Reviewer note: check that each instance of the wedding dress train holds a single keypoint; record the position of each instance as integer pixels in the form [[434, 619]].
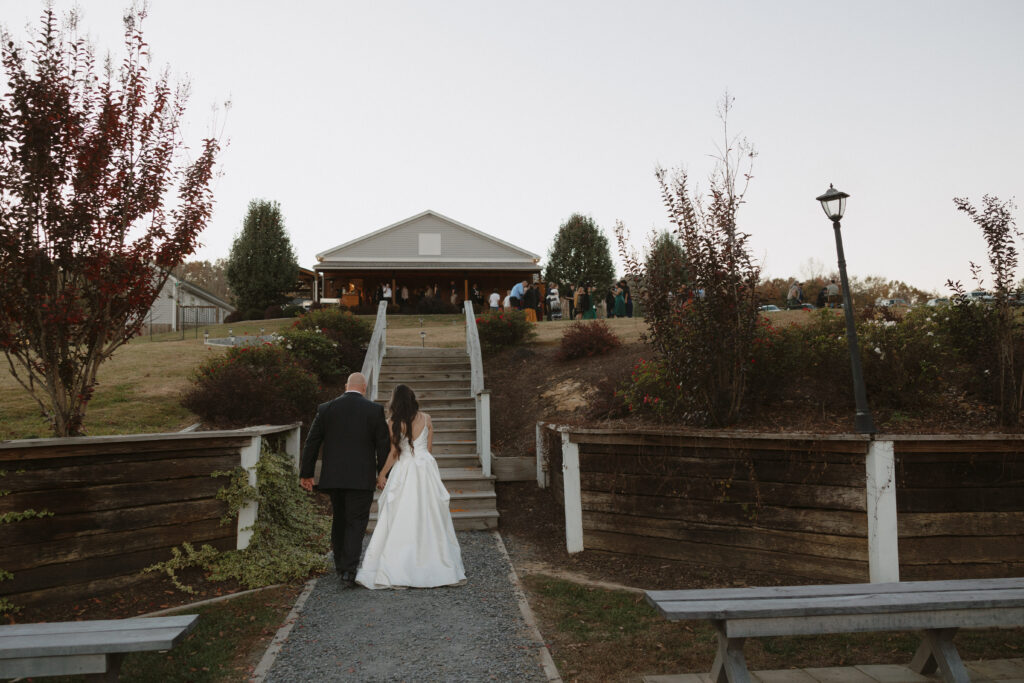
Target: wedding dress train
[[413, 543]]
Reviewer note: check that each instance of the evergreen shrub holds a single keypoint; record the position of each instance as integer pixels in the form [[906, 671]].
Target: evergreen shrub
[[352, 334], [317, 352]]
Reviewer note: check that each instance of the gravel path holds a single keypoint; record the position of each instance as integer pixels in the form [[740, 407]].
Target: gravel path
[[473, 632]]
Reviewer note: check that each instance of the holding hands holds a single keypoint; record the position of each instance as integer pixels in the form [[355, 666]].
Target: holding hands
[[381, 480]]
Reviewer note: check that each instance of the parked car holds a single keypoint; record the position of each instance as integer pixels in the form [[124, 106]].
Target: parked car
[[770, 308], [807, 306], [980, 296], [941, 301], [892, 303]]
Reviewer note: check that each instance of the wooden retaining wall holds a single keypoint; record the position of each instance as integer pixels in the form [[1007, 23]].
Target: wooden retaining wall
[[119, 504], [796, 504]]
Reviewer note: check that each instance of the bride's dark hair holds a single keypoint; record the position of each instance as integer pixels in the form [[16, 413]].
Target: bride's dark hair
[[403, 409]]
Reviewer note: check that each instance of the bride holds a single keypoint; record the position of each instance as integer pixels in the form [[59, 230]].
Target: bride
[[413, 543]]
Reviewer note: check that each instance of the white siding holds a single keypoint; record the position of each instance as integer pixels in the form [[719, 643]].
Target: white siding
[[162, 311], [402, 243]]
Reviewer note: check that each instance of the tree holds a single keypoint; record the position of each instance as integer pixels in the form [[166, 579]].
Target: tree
[[703, 324], [666, 261], [262, 267], [210, 275], [88, 231], [580, 255]]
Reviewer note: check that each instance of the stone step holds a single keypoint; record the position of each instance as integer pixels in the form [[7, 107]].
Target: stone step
[[463, 501], [415, 375], [462, 521], [420, 352], [454, 447], [422, 385]]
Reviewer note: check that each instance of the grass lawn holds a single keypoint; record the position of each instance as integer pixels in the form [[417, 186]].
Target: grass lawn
[[227, 642], [605, 635]]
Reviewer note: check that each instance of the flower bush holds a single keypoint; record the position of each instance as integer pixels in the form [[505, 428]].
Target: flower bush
[[317, 352], [652, 393], [583, 339], [509, 328], [252, 385]]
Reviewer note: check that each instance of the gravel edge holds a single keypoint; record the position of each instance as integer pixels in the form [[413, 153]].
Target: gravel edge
[[550, 670], [267, 661]]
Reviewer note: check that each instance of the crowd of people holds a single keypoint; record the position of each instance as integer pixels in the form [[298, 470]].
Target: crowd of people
[[546, 301]]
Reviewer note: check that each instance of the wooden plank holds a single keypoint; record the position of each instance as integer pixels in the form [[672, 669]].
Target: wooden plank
[[966, 549], [27, 557], [697, 553], [98, 473], [813, 496], [838, 522], [959, 500], [722, 438], [113, 496], [726, 451], [77, 461], [84, 571], [839, 606], [917, 524], [832, 590], [55, 629], [106, 521], [93, 637], [818, 545], [514, 468], [944, 570], [976, 472], [794, 470], [15, 452], [859, 623]]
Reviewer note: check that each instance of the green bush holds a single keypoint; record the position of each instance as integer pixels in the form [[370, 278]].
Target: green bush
[[252, 385], [317, 352], [351, 333], [498, 330], [652, 392]]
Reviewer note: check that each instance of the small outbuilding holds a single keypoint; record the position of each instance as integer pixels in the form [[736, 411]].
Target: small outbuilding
[[183, 305], [427, 255]]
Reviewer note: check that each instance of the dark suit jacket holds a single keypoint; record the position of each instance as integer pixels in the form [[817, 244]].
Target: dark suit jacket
[[354, 434]]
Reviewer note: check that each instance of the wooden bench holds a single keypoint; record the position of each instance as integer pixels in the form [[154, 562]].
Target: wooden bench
[[937, 608], [85, 647]]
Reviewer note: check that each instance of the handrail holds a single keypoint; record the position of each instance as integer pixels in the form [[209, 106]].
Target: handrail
[[376, 350], [481, 396]]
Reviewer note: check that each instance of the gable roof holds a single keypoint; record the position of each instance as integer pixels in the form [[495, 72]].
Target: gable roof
[[363, 248]]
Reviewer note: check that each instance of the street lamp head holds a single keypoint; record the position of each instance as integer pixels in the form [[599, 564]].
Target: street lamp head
[[834, 203]]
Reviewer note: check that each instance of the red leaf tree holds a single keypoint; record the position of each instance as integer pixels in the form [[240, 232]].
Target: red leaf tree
[[96, 207]]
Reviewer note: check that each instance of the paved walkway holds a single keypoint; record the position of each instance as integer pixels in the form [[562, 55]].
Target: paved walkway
[[474, 632], [1002, 670]]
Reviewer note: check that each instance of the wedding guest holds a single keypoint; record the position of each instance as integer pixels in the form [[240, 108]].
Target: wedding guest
[[587, 304], [518, 292], [620, 300], [577, 312], [507, 303], [495, 301]]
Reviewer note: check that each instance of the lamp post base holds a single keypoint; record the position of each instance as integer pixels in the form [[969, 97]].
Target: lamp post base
[[863, 423]]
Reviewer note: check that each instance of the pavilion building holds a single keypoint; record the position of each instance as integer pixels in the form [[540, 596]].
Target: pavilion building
[[429, 254]]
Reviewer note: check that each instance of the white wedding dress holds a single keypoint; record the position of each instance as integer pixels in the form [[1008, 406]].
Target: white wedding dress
[[413, 543]]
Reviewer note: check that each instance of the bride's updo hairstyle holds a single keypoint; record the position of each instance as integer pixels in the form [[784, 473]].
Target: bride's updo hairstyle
[[403, 409]]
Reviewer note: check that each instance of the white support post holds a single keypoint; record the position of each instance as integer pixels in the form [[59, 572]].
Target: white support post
[[293, 447], [542, 457], [883, 538], [250, 456], [483, 430], [573, 497]]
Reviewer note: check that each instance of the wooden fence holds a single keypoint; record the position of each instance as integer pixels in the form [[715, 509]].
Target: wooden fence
[[118, 504], [801, 505]]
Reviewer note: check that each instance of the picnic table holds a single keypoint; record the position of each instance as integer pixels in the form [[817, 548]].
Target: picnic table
[[85, 647], [936, 608]]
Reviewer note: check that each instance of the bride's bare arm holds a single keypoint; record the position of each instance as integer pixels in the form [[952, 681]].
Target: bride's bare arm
[[388, 464]]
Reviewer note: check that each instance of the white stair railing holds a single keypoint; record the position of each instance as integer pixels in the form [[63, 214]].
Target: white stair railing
[[481, 396], [375, 351]]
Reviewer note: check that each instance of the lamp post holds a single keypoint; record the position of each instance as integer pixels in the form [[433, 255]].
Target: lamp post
[[834, 203]]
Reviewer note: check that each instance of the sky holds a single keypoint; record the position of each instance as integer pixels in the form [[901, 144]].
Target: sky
[[511, 116]]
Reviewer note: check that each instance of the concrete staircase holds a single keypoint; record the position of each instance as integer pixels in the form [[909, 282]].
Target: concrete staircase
[[441, 380]]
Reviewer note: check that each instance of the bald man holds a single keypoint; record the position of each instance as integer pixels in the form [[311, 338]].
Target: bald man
[[354, 435]]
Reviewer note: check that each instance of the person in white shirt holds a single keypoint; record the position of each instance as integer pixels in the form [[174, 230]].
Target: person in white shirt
[[507, 303], [494, 300], [387, 293]]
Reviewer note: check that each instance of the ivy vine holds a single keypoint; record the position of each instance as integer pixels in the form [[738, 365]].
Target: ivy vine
[[290, 536], [6, 606]]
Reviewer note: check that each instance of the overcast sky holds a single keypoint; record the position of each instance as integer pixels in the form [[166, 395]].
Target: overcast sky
[[510, 116]]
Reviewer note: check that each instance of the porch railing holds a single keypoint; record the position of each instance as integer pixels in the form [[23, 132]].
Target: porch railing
[[481, 396], [376, 351]]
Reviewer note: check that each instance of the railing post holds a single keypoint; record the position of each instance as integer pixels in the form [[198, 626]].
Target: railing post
[[573, 497], [483, 429], [250, 457], [293, 446], [542, 457], [883, 536]]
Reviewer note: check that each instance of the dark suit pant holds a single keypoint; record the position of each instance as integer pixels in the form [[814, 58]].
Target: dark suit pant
[[351, 508]]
